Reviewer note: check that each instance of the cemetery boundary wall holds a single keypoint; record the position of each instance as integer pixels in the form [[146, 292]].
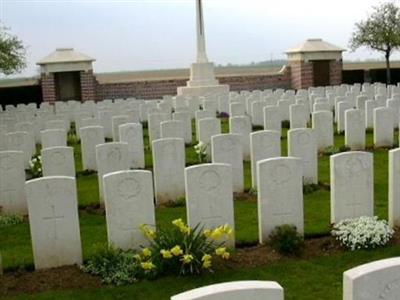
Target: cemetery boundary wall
[[152, 89]]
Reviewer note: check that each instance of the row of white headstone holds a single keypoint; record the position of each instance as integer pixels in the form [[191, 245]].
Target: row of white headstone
[[371, 281], [169, 154], [129, 199], [270, 109]]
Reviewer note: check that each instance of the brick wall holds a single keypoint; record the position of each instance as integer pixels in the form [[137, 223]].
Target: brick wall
[[139, 89], [258, 82], [158, 88], [48, 88], [335, 68], [88, 86]]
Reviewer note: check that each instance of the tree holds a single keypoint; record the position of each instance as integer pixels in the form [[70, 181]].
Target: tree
[[12, 52], [380, 32]]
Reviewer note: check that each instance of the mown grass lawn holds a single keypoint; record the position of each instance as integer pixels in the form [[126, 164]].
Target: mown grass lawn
[[318, 278]]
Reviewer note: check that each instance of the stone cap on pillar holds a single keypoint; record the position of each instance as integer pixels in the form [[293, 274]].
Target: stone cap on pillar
[[315, 49], [65, 60]]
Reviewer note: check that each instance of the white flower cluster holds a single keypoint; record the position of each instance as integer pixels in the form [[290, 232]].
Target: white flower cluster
[[362, 233], [35, 160], [35, 165], [201, 148]]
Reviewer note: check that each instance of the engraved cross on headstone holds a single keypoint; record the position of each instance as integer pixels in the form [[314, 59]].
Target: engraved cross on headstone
[[54, 218]]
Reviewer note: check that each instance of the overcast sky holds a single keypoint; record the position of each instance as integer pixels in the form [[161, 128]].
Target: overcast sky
[[160, 34]]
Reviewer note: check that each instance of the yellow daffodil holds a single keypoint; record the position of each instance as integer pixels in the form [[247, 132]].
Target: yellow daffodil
[[166, 254], [148, 265], [185, 230], [148, 232], [217, 233], [228, 230], [178, 223], [226, 255], [146, 252], [220, 251], [207, 233], [137, 257], [206, 264], [181, 225], [176, 251], [187, 258], [206, 257]]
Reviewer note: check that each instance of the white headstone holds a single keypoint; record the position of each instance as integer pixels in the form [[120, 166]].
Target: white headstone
[[298, 116], [272, 119], [302, 143], [20, 141], [132, 134], [29, 128], [110, 157], [53, 138], [361, 102], [90, 138], [134, 115], [242, 126], [12, 181], [354, 129], [105, 119], [186, 118], [264, 144], [383, 127], [394, 104], [372, 281], [394, 187], [237, 109], [57, 124], [321, 106], [169, 166], [340, 114], [199, 115], [283, 106], [223, 104], [280, 194], [154, 121], [209, 196], [58, 161], [257, 109], [352, 185], [90, 122], [172, 129], [322, 124], [227, 149], [128, 197], [54, 223], [116, 121], [370, 105], [236, 290], [211, 105], [207, 128]]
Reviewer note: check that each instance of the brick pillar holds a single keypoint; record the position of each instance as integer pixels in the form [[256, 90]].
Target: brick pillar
[[295, 75], [48, 88], [88, 86], [301, 74], [335, 72]]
